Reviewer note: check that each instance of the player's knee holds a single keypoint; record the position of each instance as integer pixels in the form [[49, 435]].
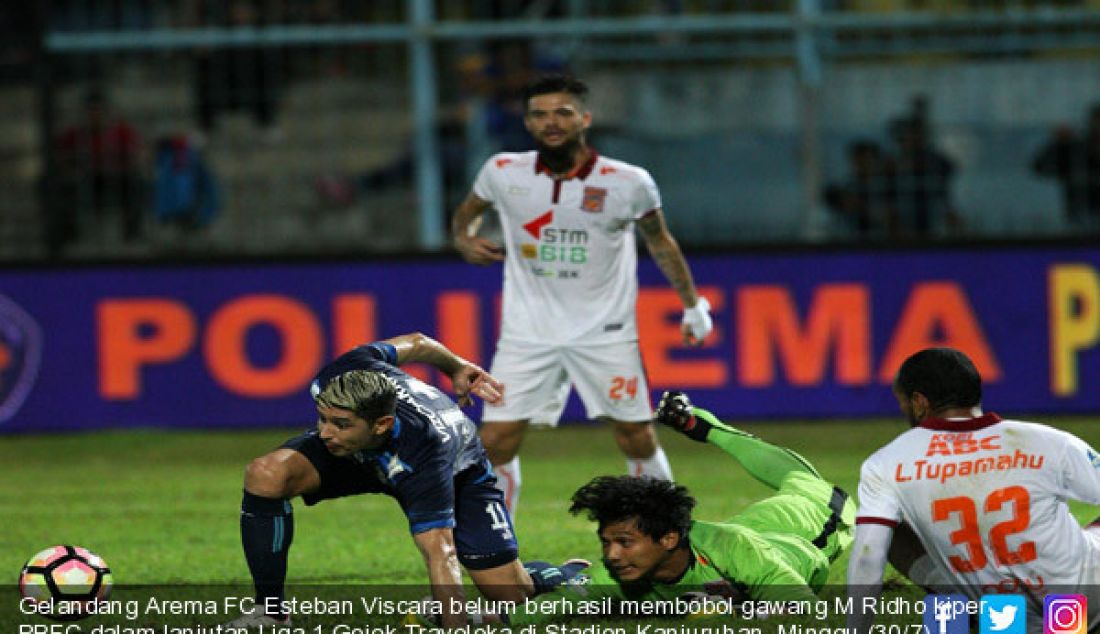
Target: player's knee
[[637, 440], [268, 477], [501, 441]]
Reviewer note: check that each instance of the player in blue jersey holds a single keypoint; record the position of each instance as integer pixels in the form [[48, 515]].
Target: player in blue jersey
[[380, 430]]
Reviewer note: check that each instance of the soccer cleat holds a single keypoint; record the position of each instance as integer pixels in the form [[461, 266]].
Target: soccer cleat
[[675, 411], [417, 619], [258, 621], [573, 567], [546, 576]]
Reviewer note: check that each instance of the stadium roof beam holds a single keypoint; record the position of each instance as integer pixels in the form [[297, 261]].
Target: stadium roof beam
[[747, 23]]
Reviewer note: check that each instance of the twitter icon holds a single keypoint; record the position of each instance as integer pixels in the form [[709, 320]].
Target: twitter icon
[[1003, 614]]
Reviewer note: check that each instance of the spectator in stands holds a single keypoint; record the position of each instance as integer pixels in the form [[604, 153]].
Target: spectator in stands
[[185, 190], [237, 77], [1075, 162], [99, 166], [923, 178], [500, 81], [864, 202], [493, 85]]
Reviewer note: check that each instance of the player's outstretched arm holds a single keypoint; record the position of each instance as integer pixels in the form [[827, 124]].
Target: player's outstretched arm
[[869, 551], [696, 324], [444, 574], [474, 249], [468, 379]]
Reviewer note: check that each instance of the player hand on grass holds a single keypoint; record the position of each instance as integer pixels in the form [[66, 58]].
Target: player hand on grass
[[696, 323], [478, 250], [675, 411], [471, 380]]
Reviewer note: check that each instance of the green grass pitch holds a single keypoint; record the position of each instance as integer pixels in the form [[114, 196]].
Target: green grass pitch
[[161, 507]]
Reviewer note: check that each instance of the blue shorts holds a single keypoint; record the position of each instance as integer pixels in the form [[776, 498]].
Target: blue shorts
[[483, 532]]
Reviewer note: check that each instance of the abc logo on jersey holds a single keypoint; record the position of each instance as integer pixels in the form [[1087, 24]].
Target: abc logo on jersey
[[1065, 614]]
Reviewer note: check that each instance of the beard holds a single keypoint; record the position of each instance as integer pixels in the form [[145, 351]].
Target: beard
[[560, 158]]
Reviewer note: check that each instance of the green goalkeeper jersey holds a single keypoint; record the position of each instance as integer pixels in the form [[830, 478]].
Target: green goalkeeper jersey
[[766, 552]]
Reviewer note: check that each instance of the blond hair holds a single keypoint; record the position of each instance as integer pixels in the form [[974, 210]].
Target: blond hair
[[370, 395]]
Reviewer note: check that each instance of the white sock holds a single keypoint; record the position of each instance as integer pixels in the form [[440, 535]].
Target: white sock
[[509, 481], [924, 573], [655, 466]]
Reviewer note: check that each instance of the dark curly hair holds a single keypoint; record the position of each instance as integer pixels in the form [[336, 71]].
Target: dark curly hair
[[945, 376], [546, 84], [657, 506]]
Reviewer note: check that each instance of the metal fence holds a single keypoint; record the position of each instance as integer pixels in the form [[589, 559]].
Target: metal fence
[[144, 129]]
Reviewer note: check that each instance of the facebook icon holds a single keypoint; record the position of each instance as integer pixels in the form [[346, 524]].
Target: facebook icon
[[946, 614], [1003, 614]]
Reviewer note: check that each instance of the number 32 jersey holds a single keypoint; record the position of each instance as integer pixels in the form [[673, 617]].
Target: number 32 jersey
[[987, 497]]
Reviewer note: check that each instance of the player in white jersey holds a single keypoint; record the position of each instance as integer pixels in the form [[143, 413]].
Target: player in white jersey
[[570, 282], [985, 497]]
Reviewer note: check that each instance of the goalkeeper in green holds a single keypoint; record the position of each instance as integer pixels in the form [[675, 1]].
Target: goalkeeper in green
[[777, 549]]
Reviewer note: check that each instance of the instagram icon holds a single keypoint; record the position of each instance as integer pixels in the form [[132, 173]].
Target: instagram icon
[[1065, 614]]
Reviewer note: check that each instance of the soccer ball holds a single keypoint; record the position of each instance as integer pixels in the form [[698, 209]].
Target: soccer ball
[[64, 582]]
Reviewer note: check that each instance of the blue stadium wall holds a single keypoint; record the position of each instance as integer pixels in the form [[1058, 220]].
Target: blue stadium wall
[[800, 334]]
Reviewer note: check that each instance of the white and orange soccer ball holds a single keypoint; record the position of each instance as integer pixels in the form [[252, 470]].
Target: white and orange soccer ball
[[65, 582]]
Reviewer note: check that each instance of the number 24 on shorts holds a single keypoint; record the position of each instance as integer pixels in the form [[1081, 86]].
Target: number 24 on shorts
[[623, 387]]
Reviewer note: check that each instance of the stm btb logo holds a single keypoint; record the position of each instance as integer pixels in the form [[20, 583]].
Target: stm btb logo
[[556, 244], [20, 354]]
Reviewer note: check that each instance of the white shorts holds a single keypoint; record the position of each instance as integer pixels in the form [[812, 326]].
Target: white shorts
[[609, 378]]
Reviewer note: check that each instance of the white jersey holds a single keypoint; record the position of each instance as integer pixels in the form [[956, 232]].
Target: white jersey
[[570, 274], [987, 497]]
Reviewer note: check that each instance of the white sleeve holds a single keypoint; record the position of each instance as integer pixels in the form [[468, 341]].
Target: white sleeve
[[877, 503], [1079, 471], [483, 185], [646, 197], [869, 554]]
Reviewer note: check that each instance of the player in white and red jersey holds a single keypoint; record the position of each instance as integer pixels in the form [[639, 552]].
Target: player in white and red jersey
[[985, 497], [570, 282]]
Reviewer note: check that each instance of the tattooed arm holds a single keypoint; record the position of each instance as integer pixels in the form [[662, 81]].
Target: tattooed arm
[[666, 251]]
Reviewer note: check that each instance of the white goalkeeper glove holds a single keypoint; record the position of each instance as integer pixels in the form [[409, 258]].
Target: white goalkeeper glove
[[697, 323]]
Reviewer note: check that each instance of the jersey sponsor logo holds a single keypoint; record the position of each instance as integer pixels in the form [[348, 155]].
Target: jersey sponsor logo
[[501, 162], [395, 467], [20, 356], [607, 169], [1094, 458], [535, 226], [1016, 585], [593, 199], [954, 444], [416, 385], [556, 244], [944, 471]]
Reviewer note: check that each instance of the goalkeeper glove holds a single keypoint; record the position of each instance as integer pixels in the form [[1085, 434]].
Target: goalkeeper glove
[[675, 411]]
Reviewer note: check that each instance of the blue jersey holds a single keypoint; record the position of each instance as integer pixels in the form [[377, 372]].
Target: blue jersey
[[433, 442]]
